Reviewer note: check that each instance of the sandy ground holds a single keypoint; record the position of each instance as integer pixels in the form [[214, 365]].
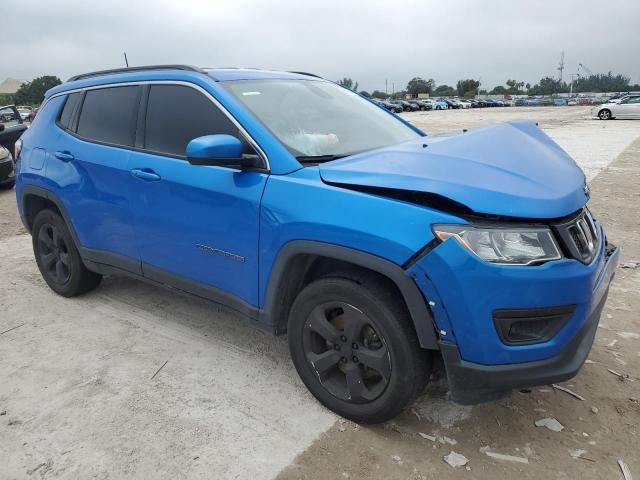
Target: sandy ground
[[81, 395]]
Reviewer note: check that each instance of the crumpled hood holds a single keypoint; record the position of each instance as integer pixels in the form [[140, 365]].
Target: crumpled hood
[[512, 169]]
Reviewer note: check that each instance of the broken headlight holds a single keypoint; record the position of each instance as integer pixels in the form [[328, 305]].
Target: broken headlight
[[512, 246]]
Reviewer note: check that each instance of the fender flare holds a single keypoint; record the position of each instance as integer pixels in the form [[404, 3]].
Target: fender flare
[[420, 314], [28, 190]]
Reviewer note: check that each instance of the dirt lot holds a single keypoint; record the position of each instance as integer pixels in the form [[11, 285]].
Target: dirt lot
[[81, 395]]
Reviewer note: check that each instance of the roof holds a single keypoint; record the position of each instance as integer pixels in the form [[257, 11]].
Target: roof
[[172, 72], [218, 74]]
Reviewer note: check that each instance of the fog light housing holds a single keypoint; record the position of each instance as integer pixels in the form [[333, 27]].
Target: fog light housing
[[529, 326]]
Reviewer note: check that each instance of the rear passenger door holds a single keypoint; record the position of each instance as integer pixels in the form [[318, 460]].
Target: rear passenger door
[[90, 165], [196, 226]]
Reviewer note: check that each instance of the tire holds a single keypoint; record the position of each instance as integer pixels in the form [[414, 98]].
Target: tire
[[354, 346], [8, 185], [605, 114], [58, 258]]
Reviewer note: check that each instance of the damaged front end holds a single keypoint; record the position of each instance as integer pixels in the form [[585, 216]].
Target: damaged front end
[[517, 287]]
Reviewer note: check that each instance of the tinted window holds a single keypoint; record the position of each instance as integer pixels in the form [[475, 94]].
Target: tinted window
[[67, 111], [177, 114], [109, 115]]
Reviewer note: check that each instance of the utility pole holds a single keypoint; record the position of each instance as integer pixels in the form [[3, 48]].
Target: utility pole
[[386, 86], [573, 79], [561, 67]]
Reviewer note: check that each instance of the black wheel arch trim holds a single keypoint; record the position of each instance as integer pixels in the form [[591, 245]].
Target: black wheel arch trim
[[415, 301], [28, 190]]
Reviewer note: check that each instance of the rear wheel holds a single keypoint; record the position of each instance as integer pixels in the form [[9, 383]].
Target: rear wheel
[[354, 346], [58, 258], [604, 114]]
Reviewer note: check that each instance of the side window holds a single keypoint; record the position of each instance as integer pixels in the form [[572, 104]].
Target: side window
[[177, 114], [634, 100], [66, 114], [109, 115]]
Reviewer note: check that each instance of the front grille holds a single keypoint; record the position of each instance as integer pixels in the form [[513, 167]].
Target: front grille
[[579, 237]]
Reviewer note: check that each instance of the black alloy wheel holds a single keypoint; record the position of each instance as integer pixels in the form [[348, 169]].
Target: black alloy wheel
[[58, 257], [54, 254], [347, 352], [354, 345]]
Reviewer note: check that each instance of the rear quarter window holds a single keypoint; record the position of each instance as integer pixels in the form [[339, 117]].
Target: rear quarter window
[[109, 115], [66, 114]]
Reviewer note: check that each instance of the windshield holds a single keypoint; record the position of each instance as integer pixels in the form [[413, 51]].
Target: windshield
[[315, 118]]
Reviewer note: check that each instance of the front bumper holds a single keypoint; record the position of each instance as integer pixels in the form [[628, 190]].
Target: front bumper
[[464, 294], [472, 383]]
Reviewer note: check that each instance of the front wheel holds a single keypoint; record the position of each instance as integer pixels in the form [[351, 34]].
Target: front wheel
[[355, 348], [604, 114]]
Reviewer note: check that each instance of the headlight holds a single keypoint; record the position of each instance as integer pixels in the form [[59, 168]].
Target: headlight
[[513, 245]]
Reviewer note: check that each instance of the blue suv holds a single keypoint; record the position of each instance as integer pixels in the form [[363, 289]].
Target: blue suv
[[317, 213]]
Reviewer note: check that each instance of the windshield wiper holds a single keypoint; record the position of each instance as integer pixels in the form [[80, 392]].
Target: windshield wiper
[[318, 158]]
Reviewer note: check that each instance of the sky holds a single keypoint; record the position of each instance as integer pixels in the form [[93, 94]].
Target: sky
[[378, 43]]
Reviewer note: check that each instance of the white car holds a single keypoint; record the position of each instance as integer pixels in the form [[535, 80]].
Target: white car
[[627, 108], [464, 104], [24, 113]]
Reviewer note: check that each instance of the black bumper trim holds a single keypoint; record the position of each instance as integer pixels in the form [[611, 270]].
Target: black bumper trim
[[472, 383]]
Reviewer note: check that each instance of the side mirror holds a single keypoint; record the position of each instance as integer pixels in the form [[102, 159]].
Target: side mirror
[[219, 150]]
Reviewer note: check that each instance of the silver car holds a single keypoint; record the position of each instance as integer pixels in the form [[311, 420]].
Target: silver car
[[627, 108]]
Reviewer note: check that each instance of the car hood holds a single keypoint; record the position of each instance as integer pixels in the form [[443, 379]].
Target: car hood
[[512, 169]]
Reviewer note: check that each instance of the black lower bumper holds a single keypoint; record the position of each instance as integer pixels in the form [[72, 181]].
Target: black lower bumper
[[472, 383]]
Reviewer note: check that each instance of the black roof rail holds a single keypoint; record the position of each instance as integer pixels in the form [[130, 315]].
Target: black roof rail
[[136, 69], [307, 73]]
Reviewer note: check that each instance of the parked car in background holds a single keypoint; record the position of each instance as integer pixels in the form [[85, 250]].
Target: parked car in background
[[333, 225], [408, 106], [451, 104], [629, 107], [440, 104], [7, 170], [428, 104], [392, 107], [560, 102], [25, 113], [519, 102], [32, 115], [11, 126], [417, 104]]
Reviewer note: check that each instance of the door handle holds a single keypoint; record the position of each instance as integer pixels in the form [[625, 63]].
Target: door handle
[[64, 156], [146, 174]]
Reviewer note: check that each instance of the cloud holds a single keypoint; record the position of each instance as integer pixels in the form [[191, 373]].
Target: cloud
[[370, 41]]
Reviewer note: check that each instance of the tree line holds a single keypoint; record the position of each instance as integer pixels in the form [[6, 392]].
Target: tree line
[[31, 93], [469, 88]]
